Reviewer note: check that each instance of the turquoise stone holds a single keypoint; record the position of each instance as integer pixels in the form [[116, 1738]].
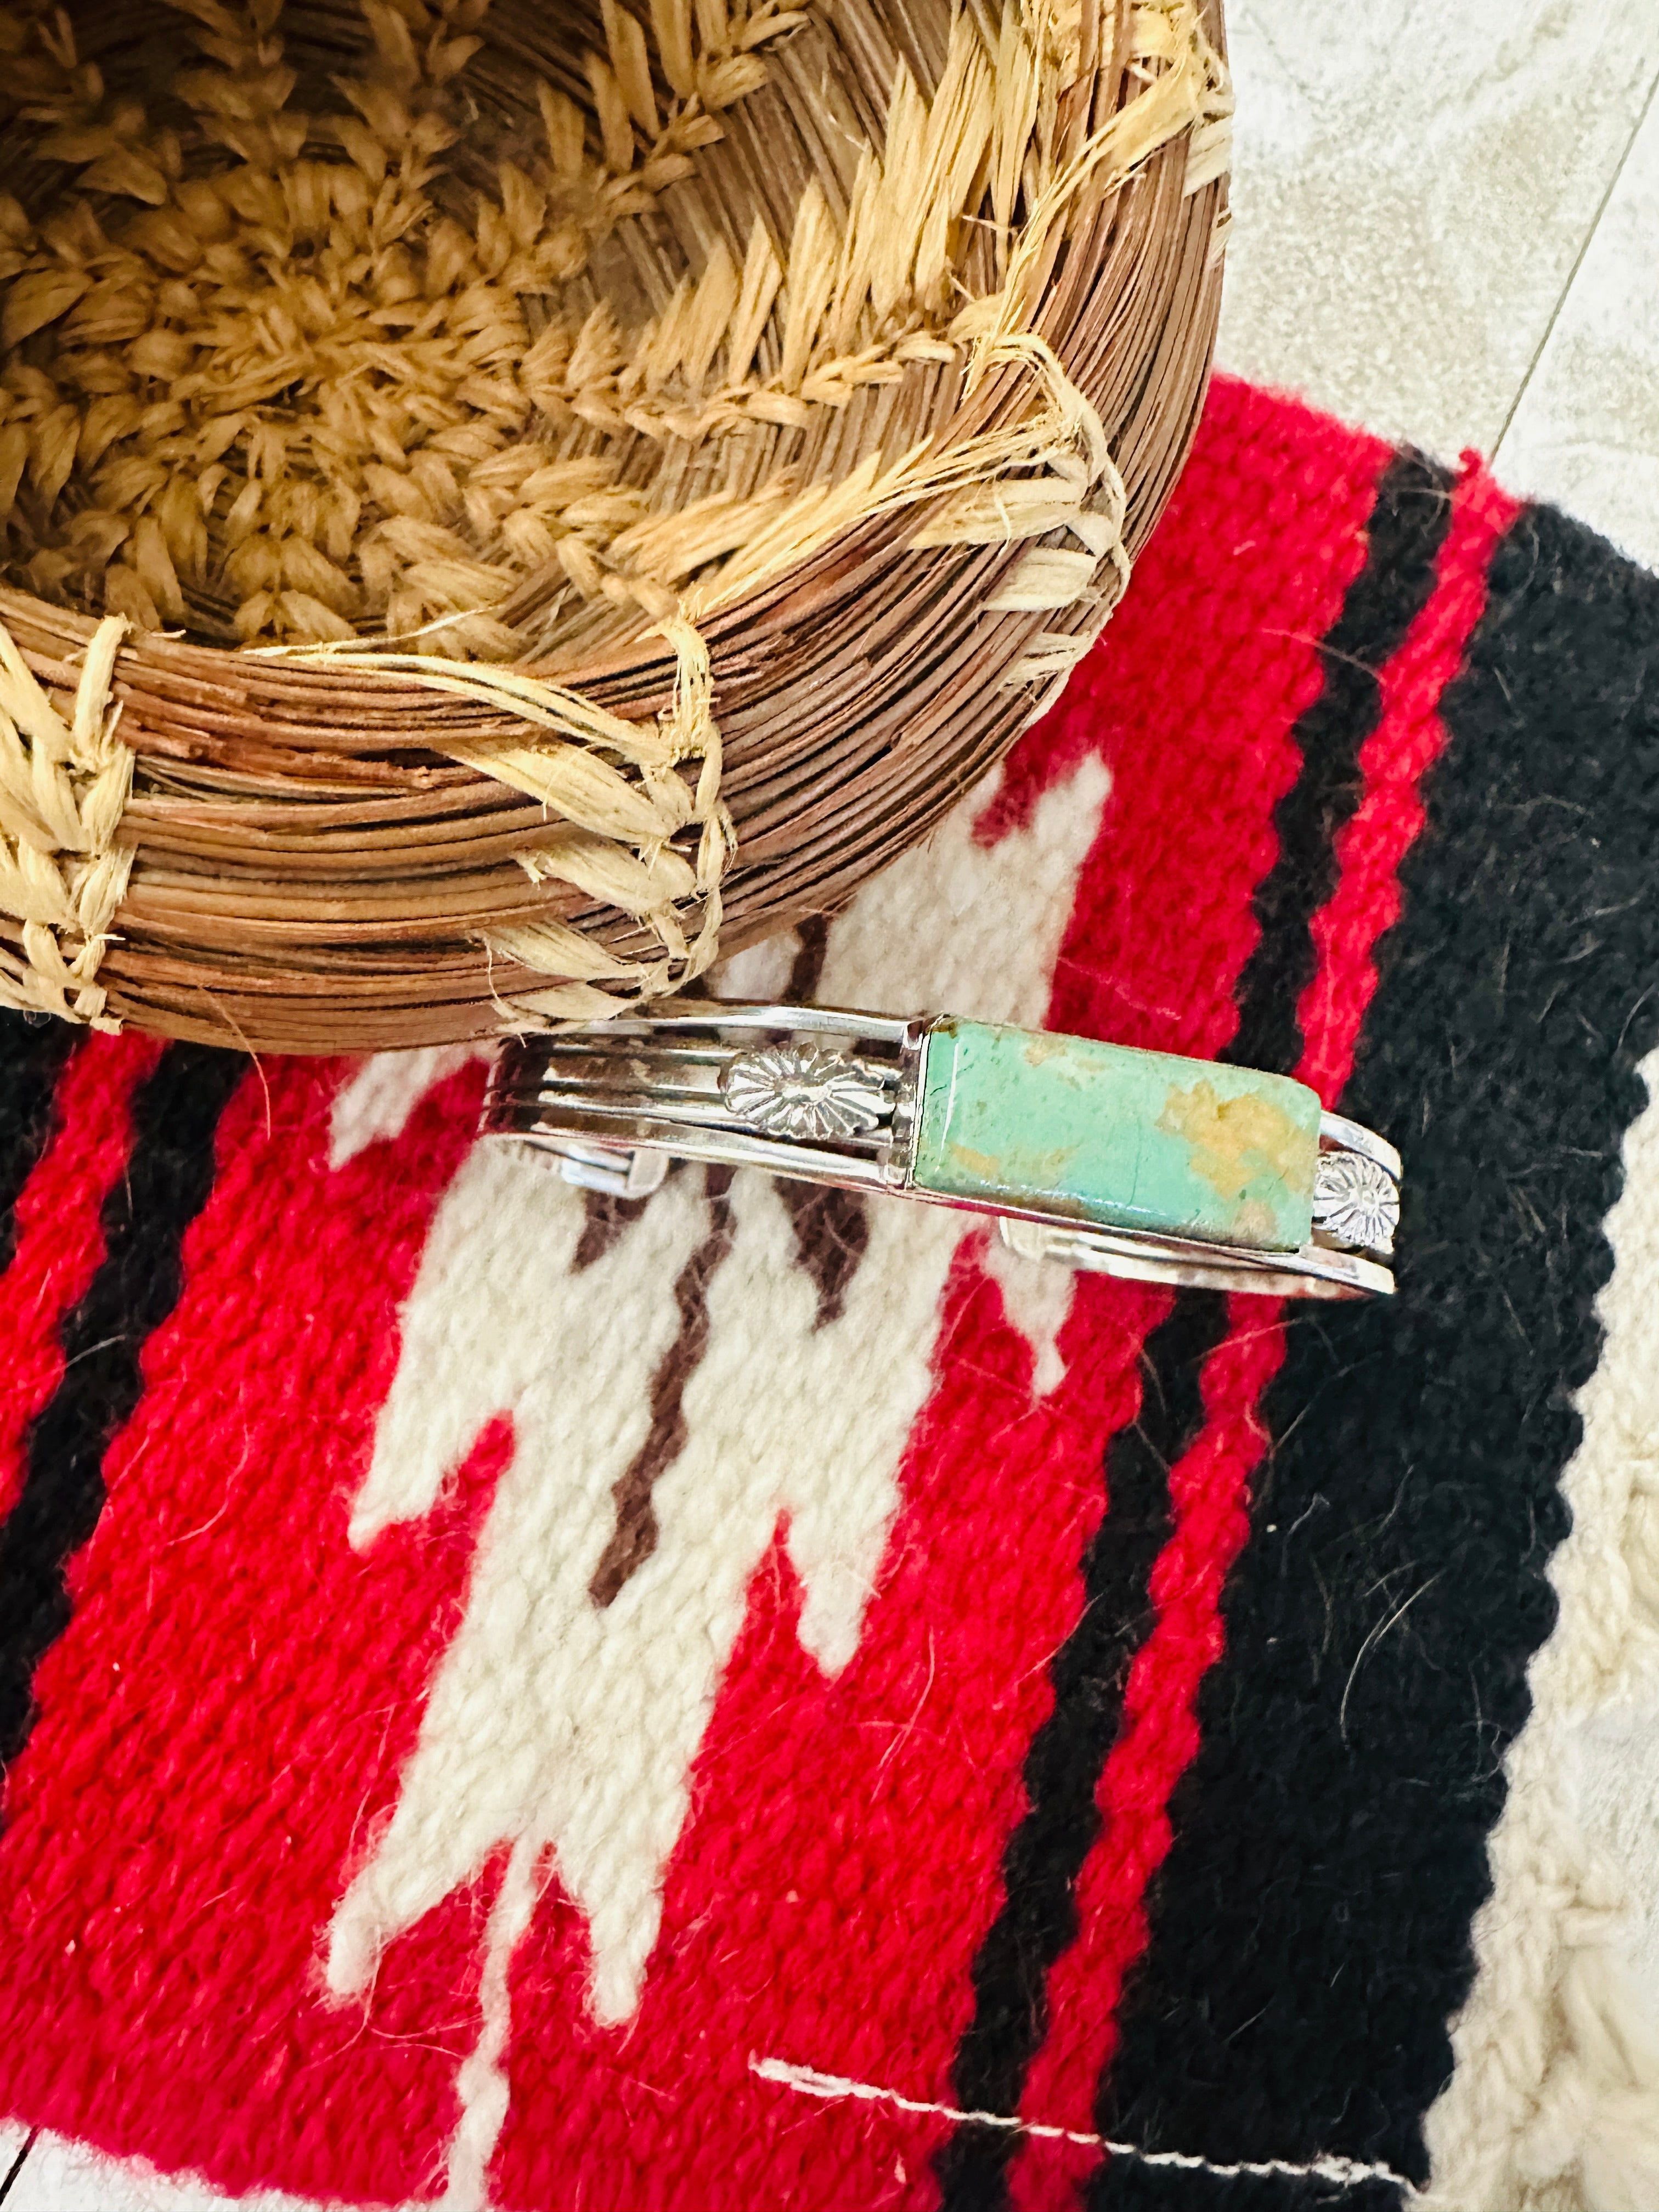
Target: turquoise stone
[[1128, 1139]]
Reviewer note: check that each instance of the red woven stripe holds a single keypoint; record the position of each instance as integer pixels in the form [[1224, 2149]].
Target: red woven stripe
[[1209, 1487], [60, 1238], [1407, 740], [1207, 1492]]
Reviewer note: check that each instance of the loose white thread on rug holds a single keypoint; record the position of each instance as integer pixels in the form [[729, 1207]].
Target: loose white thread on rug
[[556, 1724], [1554, 2103], [833, 2087]]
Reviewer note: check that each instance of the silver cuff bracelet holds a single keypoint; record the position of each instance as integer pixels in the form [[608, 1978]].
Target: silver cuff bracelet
[[1099, 1156]]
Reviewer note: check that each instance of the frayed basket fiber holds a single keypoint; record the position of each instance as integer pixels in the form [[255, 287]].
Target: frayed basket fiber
[[500, 500]]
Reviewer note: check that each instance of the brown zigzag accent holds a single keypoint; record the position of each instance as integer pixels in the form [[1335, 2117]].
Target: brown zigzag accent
[[812, 937], [636, 1532], [832, 1230], [607, 1218]]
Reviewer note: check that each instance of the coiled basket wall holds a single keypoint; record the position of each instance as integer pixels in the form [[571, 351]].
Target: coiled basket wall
[[505, 498]]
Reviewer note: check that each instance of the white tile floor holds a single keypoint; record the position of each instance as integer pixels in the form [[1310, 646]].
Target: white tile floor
[[1585, 432], [1445, 230], [1442, 229]]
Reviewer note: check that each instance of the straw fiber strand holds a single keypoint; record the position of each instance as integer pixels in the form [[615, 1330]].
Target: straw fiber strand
[[585, 487]]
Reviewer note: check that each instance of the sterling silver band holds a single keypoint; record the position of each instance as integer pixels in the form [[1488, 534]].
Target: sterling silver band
[[829, 1095]]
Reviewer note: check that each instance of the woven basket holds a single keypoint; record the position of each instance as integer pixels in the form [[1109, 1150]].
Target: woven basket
[[880, 338]]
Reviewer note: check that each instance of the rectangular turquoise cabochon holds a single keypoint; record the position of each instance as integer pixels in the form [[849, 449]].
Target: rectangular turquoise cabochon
[[1130, 1139]]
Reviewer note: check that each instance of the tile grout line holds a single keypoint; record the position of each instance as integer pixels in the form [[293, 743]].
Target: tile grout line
[[1602, 205], [16, 2166]]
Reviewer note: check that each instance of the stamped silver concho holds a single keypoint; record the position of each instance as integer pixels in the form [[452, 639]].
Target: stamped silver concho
[[804, 1092], [829, 1095], [1356, 1202]]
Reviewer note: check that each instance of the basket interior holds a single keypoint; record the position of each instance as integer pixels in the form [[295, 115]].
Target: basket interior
[[671, 346]]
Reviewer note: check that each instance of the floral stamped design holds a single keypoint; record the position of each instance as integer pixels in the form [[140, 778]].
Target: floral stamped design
[[1356, 1202], [804, 1092]]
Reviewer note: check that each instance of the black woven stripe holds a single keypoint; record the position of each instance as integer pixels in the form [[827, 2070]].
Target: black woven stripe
[[1310, 1929], [1407, 527], [175, 1114], [32, 1057], [1045, 1854]]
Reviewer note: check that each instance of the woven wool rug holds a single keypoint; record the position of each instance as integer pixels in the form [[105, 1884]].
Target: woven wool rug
[[758, 1697]]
